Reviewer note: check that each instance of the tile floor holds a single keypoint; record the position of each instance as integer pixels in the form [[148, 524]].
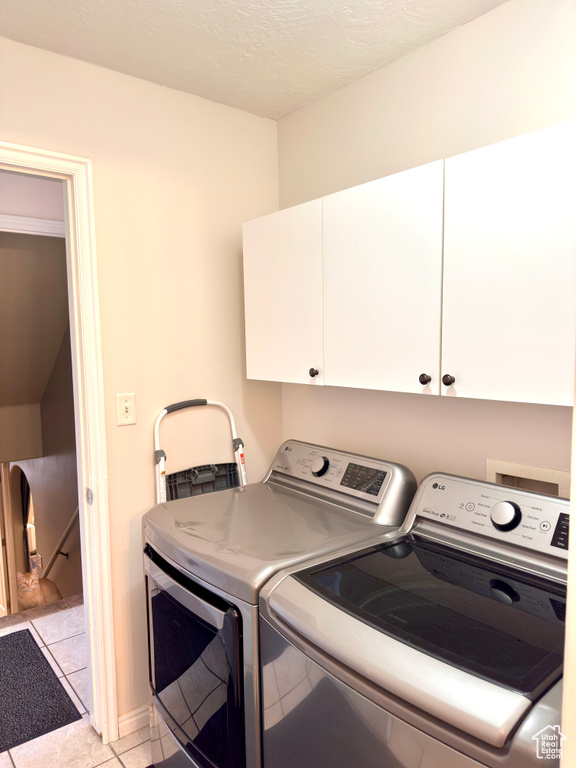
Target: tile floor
[[59, 631]]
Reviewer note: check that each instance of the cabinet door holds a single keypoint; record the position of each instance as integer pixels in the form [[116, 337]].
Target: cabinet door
[[283, 294], [509, 315], [382, 282]]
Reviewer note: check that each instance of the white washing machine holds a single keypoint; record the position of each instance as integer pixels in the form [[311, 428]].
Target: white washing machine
[[439, 648], [206, 559]]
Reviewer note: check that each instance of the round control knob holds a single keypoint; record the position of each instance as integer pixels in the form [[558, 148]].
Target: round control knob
[[503, 592], [448, 380], [505, 515], [319, 465], [313, 372], [424, 379]]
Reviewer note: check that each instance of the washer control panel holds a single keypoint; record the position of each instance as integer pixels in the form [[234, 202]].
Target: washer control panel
[[357, 476], [520, 517]]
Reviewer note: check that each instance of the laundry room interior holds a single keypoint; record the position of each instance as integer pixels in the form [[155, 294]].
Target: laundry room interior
[[174, 178]]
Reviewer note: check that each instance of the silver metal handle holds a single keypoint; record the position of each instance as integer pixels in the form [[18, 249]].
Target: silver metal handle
[[195, 604]]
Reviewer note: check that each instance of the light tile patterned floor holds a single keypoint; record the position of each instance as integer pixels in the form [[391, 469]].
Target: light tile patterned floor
[[59, 631]]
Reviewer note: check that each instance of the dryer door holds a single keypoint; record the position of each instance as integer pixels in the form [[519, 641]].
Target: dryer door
[[195, 655]]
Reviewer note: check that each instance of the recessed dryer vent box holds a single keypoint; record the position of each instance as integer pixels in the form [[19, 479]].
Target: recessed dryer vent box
[[553, 482]]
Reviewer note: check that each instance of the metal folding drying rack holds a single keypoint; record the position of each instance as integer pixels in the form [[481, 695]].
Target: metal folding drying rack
[[160, 456]]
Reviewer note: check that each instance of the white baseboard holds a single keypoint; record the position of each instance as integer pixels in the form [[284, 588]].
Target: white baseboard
[[133, 721]]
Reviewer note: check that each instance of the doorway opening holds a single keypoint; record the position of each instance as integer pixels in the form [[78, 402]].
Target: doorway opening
[[37, 401], [88, 402]]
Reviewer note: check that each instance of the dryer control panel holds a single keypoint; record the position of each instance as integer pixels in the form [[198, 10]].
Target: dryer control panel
[[521, 518], [376, 487], [355, 475]]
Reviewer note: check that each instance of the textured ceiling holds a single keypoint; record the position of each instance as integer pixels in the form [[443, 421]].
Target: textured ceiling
[[268, 57]]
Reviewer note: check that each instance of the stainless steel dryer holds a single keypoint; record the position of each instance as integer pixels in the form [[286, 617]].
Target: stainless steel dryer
[[206, 559], [442, 647]]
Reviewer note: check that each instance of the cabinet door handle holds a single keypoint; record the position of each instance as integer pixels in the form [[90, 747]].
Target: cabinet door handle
[[313, 372], [447, 380], [424, 379]]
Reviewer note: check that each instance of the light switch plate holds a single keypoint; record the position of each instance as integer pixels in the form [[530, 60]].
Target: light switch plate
[[126, 409]]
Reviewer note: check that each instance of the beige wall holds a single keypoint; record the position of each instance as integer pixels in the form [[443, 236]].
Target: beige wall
[[509, 72], [20, 432], [174, 178], [33, 312], [53, 479]]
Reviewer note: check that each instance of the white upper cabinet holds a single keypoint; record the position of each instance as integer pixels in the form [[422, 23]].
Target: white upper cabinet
[[463, 270], [383, 281], [283, 295], [509, 308]]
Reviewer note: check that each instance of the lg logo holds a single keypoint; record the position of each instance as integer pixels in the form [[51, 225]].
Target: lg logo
[[439, 487]]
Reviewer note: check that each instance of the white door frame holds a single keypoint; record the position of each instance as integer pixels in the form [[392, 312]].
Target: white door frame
[[4, 586], [76, 173]]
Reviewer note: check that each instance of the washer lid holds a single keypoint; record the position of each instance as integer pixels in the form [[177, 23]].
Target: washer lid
[[238, 538], [469, 641]]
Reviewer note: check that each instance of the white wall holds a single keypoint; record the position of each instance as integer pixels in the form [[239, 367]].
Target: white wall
[[174, 178], [506, 73]]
